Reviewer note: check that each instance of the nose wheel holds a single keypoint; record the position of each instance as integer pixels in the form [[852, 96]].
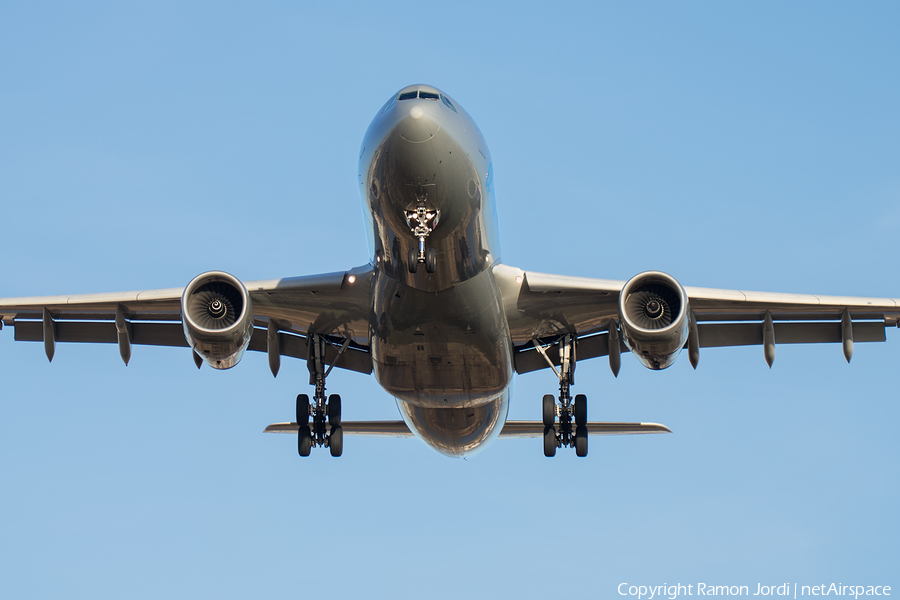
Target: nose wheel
[[428, 256], [564, 418], [422, 222]]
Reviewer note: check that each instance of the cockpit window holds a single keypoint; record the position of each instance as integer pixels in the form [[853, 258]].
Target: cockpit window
[[428, 95], [449, 104], [407, 95]]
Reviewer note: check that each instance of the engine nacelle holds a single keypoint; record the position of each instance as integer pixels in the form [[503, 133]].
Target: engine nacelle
[[217, 315], [653, 311]]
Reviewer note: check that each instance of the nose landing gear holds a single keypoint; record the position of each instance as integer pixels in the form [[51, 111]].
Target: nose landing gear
[[314, 419], [422, 222], [565, 419]]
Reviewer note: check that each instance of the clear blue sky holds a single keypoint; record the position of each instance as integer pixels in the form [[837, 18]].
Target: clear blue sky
[[738, 145]]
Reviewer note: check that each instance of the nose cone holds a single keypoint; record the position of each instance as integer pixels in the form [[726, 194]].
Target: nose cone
[[416, 123], [457, 432]]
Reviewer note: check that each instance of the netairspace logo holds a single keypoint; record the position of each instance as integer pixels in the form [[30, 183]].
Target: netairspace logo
[[788, 590]]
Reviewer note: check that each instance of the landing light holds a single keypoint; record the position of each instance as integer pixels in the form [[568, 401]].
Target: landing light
[[518, 279], [351, 279]]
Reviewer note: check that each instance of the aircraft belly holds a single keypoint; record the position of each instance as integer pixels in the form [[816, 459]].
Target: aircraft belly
[[457, 432], [448, 349]]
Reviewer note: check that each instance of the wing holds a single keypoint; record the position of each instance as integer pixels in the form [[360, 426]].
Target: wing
[[541, 308], [333, 305]]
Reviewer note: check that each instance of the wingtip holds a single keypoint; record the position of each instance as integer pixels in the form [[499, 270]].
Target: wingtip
[[661, 428], [281, 428]]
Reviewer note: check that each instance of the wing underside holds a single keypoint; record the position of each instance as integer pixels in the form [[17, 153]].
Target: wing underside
[[541, 308], [333, 305]]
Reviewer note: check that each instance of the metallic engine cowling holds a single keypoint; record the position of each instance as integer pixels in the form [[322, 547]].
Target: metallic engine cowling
[[217, 315], [653, 311]]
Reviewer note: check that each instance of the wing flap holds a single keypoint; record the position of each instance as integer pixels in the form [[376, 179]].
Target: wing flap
[[99, 332], [295, 346], [172, 334], [528, 359], [717, 335]]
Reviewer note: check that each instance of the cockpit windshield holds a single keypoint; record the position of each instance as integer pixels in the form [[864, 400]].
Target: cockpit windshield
[[449, 104], [423, 95]]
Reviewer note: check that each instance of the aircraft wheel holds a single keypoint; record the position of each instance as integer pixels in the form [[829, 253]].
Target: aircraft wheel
[[336, 440], [413, 260], [302, 409], [430, 260], [334, 410], [549, 410], [549, 442], [304, 440], [581, 441], [580, 409]]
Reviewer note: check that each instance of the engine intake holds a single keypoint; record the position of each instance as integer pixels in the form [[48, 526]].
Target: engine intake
[[653, 310], [217, 315]]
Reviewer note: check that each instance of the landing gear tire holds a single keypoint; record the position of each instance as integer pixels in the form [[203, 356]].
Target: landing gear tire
[[304, 440], [581, 441], [302, 409], [549, 410], [430, 260], [334, 410], [549, 442], [580, 410], [413, 260], [336, 441]]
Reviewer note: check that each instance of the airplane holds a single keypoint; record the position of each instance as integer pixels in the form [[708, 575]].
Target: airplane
[[435, 315]]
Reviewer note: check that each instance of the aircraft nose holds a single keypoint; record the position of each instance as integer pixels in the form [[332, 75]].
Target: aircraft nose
[[416, 125]]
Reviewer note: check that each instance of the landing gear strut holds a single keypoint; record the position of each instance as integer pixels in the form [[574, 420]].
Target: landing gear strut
[[422, 222], [314, 419], [565, 418]]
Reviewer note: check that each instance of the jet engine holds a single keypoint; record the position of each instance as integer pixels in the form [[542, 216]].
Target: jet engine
[[653, 311], [217, 315]]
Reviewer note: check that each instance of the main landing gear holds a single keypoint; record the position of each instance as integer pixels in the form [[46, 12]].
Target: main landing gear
[[316, 418], [422, 222], [565, 419]]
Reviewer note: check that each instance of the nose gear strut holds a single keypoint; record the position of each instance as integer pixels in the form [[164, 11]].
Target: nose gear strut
[[564, 433], [422, 222], [323, 411]]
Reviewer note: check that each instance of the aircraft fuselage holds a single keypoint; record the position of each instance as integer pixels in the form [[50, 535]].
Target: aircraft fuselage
[[440, 341]]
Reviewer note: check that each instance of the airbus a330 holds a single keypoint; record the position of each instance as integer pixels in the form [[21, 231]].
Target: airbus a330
[[436, 316]]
